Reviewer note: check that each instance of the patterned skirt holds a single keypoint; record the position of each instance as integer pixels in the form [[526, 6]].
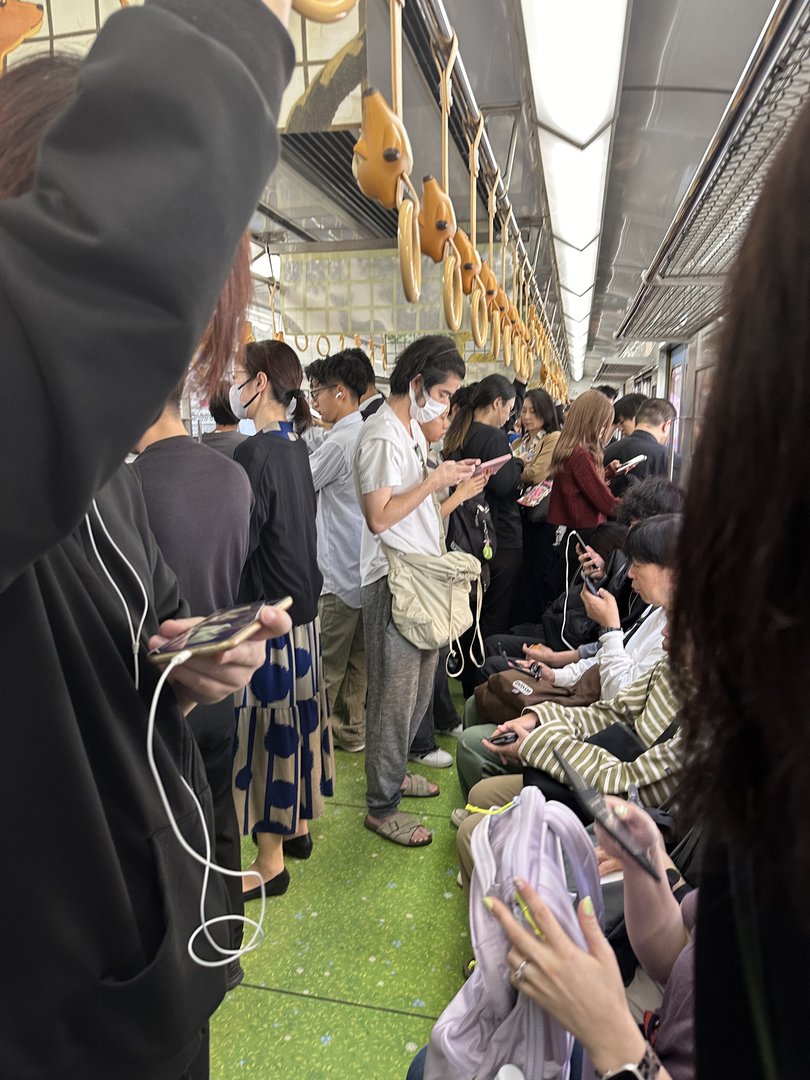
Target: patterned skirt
[[283, 767]]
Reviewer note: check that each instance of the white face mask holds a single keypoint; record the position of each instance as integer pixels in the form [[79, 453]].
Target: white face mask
[[239, 410], [431, 410]]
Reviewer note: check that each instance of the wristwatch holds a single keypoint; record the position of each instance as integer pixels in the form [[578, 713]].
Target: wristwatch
[[647, 1069]]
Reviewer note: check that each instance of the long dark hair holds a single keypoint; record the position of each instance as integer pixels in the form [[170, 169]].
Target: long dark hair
[[741, 632], [489, 389], [284, 373], [32, 95]]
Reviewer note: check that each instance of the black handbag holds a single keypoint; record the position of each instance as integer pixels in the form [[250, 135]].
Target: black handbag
[[534, 503]]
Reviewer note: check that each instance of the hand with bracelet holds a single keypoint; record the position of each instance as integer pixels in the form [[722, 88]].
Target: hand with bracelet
[[581, 989]]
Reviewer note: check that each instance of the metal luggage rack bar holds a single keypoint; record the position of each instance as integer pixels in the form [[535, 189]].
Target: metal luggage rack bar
[[684, 287], [440, 30]]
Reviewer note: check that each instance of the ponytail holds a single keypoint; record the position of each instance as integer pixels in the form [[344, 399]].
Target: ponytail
[[459, 429]]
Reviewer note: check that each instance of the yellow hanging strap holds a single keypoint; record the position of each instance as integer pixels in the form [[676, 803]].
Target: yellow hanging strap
[[396, 56], [491, 208], [474, 170], [446, 98]]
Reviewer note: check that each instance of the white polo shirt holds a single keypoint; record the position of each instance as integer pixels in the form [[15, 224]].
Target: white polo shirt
[[389, 455]]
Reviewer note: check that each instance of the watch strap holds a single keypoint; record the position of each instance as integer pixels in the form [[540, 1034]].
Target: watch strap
[[647, 1069]]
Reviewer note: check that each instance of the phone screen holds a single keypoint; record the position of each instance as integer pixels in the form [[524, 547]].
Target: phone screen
[[492, 466], [220, 631], [593, 801]]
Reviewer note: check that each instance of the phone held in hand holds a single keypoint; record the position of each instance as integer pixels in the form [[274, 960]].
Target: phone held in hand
[[489, 468], [504, 739], [592, 588], [222, 630], [631, 464], [593, 801]]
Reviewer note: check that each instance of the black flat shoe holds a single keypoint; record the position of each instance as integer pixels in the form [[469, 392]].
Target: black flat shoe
[[300, 847], [276, 886]]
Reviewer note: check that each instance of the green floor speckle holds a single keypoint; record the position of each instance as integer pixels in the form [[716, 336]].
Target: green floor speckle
[[361, 955]]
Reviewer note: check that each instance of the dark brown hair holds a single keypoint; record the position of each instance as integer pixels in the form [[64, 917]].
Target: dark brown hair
[[32, 95], [741, 632], [284, 373]]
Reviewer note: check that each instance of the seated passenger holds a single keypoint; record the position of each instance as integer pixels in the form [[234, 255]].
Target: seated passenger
[[622, 657], [649, 438], [583, 990], [647, 707], [567, 620]]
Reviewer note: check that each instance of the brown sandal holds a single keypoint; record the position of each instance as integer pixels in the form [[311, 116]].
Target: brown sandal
[[419, 787], [399, 828]]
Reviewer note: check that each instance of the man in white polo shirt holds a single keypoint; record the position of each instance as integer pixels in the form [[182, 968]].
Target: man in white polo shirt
[[397, 496], [336, 385]]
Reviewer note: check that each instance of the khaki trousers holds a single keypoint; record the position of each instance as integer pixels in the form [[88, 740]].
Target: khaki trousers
[[492, 791], [344, 668]]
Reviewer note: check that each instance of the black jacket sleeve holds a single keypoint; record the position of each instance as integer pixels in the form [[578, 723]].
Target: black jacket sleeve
[[111, 266]]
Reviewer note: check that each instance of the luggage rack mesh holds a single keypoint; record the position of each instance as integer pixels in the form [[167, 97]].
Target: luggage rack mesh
[[685, 287]]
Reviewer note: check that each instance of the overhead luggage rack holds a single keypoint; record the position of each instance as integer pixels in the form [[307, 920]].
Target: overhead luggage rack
[[684, 287]]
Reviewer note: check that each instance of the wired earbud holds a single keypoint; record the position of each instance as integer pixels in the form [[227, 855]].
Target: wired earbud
[[227, 955]]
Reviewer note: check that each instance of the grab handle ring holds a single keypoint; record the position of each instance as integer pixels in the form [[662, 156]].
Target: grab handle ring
[[479, 316], [452, 288], [323, 11], [324, 352], [298, 339], [408, 245]]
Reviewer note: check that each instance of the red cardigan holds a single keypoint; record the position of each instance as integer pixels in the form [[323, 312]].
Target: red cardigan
[[580, 498]]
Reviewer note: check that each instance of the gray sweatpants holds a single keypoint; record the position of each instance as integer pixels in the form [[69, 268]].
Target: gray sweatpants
[[400, 684]]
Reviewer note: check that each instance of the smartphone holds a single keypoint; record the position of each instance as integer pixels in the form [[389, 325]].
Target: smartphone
[[492, 466], [220, 631], [590, 585], [504, 739], [533, 669], [631, 463], [592, 801]]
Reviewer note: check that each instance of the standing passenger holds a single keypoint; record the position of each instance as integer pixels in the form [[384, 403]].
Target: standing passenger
[[181, 481], [283, 763], [477, 432], [650, 437], [336, 384], [226, 436], [398, 501]]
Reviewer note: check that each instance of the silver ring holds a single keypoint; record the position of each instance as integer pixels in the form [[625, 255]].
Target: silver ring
[[520, 970]]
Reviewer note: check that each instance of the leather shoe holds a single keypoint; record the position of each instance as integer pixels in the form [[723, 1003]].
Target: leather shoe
[[300, 847], [276, 886]]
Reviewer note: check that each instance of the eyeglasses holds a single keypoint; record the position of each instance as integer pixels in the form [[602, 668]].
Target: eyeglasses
[[313, 394]]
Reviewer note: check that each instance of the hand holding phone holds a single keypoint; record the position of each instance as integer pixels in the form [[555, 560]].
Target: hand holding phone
[[489, 468], [590, 585], [220, 631], [631, 464], [593, 801], [504, 739]]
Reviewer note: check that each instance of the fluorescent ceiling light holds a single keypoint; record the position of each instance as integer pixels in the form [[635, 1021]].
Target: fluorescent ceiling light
[[575, 182], [577, 269], [577, 308], [575, 57]]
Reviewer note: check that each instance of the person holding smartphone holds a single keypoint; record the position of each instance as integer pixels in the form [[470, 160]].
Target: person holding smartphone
[[99, 317], [583, 989], [477, 432]]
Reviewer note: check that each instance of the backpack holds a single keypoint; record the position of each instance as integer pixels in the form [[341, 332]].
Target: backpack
[[470, 529], [489, 1024]]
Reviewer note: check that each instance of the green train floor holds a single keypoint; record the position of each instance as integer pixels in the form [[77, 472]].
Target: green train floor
[[362, 953]]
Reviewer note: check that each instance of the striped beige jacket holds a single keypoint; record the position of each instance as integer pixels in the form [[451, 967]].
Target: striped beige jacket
[[647, 705]]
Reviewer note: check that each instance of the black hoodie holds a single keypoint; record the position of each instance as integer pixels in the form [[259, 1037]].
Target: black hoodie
[[109, 271]]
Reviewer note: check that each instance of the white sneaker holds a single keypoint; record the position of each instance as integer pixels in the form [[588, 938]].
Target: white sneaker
[[436, 759]]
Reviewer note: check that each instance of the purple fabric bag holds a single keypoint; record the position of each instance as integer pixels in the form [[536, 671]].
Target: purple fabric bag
[[488, 1024]]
